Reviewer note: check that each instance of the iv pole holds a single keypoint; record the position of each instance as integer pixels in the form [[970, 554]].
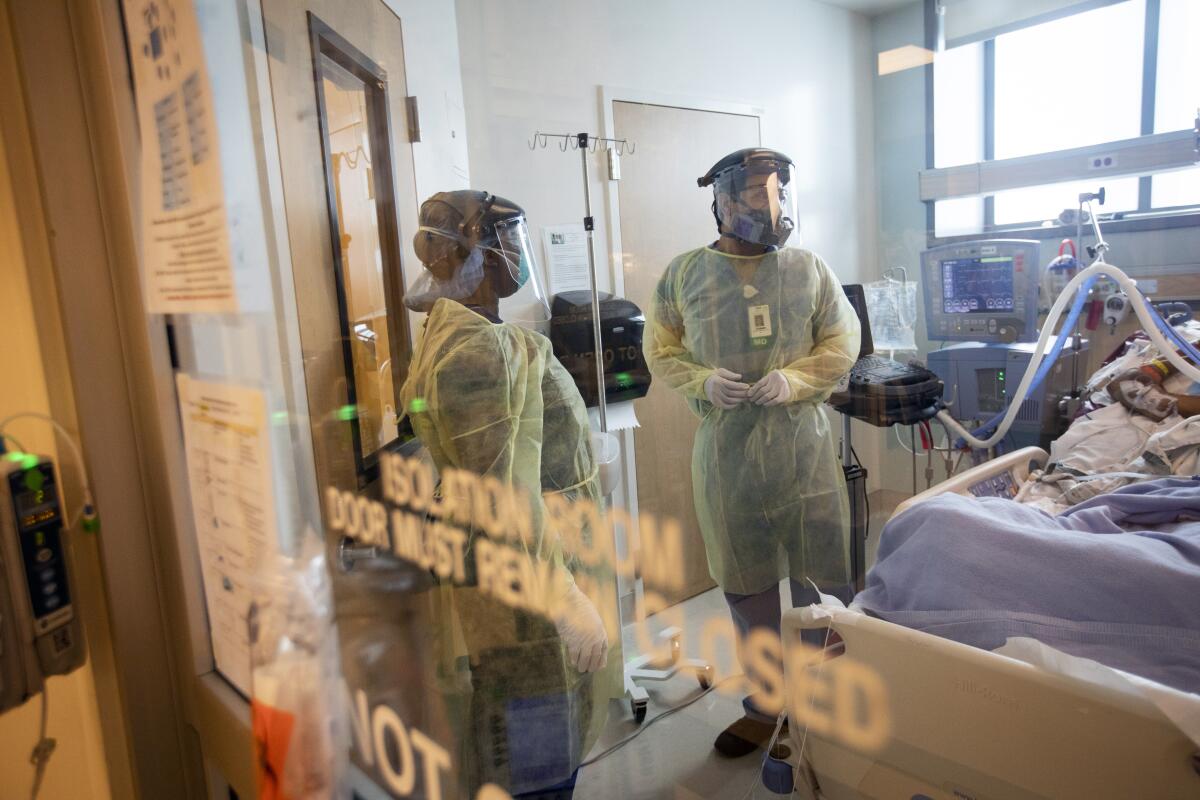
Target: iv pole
[[646, 667], [588, 225]]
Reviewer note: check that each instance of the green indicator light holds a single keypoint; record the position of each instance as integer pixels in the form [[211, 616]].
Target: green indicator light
[[39, 538], [279, 417], [34, 479], [26, 460], [418, 405], [624, 379], [347, 412]]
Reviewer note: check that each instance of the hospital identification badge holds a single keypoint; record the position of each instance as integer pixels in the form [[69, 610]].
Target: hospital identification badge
[[760, 325]]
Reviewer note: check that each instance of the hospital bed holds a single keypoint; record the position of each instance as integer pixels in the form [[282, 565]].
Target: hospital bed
[[969, 724]]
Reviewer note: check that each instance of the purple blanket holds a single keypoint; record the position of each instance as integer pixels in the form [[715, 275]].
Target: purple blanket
[[1115, 579]]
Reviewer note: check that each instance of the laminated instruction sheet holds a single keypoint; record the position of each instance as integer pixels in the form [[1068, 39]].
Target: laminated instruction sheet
[[233, 505], [185, 239], [567, 257]]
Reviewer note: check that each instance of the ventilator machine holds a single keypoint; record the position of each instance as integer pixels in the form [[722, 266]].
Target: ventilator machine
[[983, 295], [995, 280]]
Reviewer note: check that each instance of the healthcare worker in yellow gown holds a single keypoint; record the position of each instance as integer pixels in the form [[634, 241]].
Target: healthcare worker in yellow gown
[[488, 396], [755, 336]]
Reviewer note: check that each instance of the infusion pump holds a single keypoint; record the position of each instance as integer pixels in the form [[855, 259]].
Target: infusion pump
[[39, 632]]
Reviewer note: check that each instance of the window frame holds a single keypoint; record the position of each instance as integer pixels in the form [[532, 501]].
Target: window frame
[[1144, 218], [325, 41]]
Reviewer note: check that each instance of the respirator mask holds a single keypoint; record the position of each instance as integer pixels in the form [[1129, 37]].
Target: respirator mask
[[753, 196]]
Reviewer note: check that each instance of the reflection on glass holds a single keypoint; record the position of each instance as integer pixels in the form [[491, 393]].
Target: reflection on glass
[[349, 145], [488, 572]]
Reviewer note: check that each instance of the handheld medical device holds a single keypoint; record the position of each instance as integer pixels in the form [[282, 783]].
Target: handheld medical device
[[39, 632], [982, 291]]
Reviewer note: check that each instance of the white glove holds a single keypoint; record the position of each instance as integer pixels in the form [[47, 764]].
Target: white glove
[[724, 390], [772, 390], [582, 630]]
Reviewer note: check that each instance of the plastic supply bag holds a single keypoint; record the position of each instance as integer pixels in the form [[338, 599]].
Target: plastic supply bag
[[297, 717], [892, 309]]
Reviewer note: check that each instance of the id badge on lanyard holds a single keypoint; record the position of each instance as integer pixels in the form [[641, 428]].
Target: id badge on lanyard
[[760, 328]]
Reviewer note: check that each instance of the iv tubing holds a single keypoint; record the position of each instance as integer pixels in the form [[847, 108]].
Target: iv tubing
[[1150, 323]]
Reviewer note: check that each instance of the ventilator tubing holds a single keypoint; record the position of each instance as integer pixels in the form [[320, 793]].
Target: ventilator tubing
[[1152, 323], [1172, 334], [1040, 373]]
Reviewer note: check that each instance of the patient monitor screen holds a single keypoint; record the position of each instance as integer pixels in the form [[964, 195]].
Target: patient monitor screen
[[977, 284], [982, 291]]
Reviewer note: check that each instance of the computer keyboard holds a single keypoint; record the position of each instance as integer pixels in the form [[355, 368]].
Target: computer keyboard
[[878, 368]]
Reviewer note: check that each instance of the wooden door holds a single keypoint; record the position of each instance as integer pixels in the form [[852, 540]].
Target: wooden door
[[337, 81], [663, 214]]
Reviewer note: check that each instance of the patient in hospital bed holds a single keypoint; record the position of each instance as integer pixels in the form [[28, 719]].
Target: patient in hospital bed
[[1115, 579], [1142, 391], [1142, 419], [1099, 565]]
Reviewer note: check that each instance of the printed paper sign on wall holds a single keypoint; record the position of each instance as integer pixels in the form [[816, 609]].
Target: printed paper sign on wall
[[185, 240]]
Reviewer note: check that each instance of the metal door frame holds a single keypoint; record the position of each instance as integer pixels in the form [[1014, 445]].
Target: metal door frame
[[80, 130], [633, 609], [328, 42]]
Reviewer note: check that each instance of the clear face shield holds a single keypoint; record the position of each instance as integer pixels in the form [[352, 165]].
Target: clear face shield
[[518, 275], [756, 204], [504, 258]]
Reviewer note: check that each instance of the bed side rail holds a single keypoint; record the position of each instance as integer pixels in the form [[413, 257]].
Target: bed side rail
[[903, 713], [1016, 464]]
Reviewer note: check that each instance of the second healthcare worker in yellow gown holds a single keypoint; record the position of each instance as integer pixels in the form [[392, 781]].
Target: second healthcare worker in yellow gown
[[755, 336]]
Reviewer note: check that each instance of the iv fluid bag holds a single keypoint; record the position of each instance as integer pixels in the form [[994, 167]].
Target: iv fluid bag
[[892, 309]]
